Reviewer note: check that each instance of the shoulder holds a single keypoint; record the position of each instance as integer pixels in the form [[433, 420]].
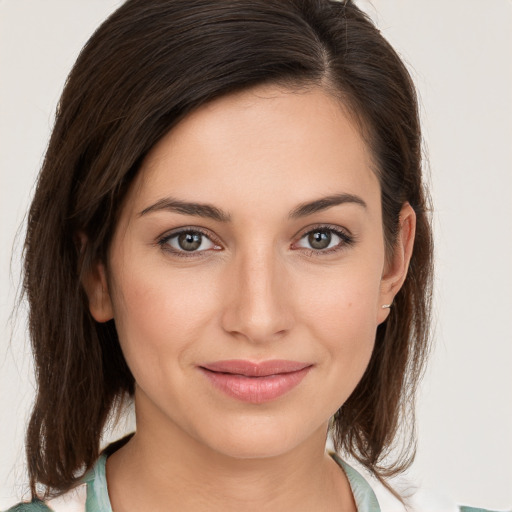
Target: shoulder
[[473, 509], [33, 506], [71, 501], [371, 495], [90, 494]]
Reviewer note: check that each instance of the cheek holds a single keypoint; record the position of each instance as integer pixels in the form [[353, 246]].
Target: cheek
[[341, 315], [159, 315], [343, 300]]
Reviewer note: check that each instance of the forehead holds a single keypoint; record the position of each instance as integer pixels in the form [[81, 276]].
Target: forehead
[[247, 146]]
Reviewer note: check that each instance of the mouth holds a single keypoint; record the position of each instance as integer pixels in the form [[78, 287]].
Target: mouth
[[255, 382]]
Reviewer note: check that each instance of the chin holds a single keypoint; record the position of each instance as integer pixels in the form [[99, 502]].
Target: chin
[[254, 447], [256, 439]]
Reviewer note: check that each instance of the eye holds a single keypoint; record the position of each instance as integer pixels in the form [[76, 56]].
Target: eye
[[324, 240], [187, 242]]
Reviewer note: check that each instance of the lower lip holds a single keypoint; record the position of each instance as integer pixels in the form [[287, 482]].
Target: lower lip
[[256, 390]]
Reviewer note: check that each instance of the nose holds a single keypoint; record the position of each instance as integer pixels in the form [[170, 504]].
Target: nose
[[257, 305]]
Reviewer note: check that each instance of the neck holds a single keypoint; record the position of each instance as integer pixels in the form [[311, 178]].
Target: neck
[[167, 469]]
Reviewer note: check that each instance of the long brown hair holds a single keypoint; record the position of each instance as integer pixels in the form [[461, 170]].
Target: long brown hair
[[146, 67]]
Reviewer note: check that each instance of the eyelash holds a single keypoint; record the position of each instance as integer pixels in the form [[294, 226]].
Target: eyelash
[[346, 241], [163, 243]]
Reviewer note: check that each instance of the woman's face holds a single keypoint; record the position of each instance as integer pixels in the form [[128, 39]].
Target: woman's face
[[247, 273]]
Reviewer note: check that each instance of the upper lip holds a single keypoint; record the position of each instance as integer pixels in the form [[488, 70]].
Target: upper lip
[[255, 369]]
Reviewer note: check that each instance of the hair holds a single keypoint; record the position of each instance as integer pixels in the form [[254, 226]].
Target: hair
[[150, 64]]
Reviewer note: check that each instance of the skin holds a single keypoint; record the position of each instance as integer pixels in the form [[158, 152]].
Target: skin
[[255, 291]]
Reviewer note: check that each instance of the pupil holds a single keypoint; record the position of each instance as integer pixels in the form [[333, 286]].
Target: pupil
[[189, 241], [320, 239]]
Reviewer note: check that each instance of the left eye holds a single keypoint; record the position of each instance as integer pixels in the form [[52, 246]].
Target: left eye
[[188, 241], [322, 239]]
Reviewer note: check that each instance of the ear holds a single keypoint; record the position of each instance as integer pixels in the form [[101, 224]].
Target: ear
[[96, 288], [395, 269], [95, 284]]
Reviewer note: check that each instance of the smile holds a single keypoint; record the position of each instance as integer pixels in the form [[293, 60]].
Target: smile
[[255, 382]]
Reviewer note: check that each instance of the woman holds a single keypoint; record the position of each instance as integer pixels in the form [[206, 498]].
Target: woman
[[230, 227]]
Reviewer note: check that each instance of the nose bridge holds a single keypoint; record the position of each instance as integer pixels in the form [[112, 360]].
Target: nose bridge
[[259, 308]]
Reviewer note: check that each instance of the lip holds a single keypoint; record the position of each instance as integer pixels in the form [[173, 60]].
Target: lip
[[255, 382]]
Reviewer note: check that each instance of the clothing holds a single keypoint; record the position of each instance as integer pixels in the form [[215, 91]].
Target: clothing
[[92, 495]]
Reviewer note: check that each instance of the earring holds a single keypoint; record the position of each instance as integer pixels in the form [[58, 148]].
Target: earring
[[386, 306]]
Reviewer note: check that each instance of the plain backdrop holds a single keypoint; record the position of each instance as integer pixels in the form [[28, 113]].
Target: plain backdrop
[[460, 55]]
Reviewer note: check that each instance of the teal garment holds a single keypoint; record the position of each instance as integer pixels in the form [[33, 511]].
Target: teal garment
[[98, 500], [97, 492], [35, 506]]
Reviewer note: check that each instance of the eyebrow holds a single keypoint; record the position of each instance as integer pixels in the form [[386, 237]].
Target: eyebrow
[[212, 212], [323, 203], [197, 209]]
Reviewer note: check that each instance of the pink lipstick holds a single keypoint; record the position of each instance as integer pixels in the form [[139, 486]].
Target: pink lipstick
[[255, 382]]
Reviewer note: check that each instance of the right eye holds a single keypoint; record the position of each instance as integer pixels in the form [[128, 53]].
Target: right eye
[[187, 242]]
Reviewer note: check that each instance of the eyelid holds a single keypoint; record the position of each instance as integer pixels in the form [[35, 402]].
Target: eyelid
[[165, 237], [319, 226], [347, 238]]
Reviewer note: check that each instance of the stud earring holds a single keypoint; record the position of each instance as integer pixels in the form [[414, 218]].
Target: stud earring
[[386, 306]]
